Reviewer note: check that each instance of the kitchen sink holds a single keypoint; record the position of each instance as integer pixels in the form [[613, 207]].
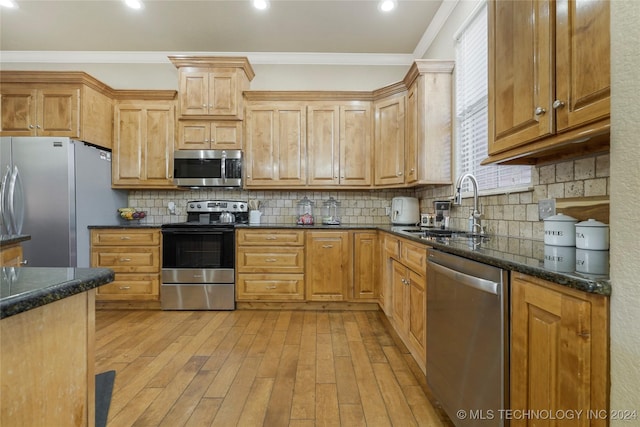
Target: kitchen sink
[[436, 233]]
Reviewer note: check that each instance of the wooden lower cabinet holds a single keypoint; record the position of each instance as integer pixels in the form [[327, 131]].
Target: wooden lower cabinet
[[559, 350], [270, 265], [408, 299], [328, 265], [134, 255], [11, 255], [366, 265]]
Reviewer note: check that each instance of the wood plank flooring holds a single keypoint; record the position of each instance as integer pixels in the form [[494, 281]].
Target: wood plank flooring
[[260, 368]]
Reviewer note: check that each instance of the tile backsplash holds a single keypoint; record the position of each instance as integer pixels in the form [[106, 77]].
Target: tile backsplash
[[514, 214]]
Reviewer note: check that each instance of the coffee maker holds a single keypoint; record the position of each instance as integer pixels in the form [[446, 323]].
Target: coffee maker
[[442, 209]]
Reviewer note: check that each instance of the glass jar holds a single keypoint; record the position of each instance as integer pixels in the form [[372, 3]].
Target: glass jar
[[305, 212], [331, 212]]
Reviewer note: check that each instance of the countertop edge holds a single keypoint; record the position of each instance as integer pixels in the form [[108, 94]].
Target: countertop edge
[[21, 303], [12, 239]]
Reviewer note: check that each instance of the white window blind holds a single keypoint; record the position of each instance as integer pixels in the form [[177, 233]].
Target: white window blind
[[472, 108]]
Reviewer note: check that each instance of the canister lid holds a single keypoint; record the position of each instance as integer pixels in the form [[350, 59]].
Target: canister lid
[[561, 217], [591, 223]]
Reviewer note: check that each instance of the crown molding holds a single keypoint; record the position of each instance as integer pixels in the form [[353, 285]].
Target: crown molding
[[278, 58]]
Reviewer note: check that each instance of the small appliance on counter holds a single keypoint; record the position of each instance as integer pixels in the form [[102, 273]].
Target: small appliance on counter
[[405, 211], [442, 209], [305, 212]]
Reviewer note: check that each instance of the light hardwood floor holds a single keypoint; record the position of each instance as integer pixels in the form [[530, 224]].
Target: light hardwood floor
[[260, 368]]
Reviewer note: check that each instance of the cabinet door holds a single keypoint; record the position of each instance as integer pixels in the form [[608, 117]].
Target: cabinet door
[[143, 145], [398, 295], [355, 144], [275, 139], [226, 135], [558, 349], [18, 108], [194, 93], [389, 141], [194, 135], [412, 136], [223, 89], [417, 313], [521, 77], [365, 265], [582, 62], [58, 112], [323, 145], [327, 272]]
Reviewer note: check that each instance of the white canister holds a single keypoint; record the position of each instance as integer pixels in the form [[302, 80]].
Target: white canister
[[559, 230], [254, 217], [592, 235], [560, 258], [592, 262]]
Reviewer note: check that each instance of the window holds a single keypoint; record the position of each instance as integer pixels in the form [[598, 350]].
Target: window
[[472, 109]]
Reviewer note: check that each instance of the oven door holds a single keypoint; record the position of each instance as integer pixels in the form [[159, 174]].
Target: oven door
[[198, 248]]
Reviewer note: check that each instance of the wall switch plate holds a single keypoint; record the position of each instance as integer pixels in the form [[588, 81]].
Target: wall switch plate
[[546, 208]]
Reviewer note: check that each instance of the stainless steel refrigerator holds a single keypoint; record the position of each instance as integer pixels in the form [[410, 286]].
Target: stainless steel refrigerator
[[53, 189]]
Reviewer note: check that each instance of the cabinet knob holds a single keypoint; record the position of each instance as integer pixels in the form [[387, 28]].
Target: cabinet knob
[[24, 262], [204, 105], [37, 126], [31, 126], [540, 111], [558, 104], [399, 174]]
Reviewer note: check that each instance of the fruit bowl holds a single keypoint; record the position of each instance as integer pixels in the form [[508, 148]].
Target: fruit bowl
[[131, 214]]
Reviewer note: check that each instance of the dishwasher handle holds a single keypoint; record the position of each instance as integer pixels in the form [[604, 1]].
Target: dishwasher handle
[[474, 282]]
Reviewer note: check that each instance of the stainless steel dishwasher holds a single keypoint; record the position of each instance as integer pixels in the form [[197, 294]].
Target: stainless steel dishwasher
[[468, 338]]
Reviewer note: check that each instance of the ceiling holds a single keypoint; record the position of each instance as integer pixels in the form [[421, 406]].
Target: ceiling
[[296, 31]]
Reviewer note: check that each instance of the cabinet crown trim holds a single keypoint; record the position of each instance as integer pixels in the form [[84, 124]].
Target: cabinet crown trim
[[214, 61]]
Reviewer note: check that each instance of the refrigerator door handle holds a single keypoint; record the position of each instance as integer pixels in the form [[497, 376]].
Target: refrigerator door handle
[[16, 213], [4, 211]]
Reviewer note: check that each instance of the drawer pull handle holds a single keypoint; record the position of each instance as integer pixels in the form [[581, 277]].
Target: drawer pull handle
[[125, 238], [125, 260], [124, 288], [271, 238], [270, 260], [271, 287], [327, 246]]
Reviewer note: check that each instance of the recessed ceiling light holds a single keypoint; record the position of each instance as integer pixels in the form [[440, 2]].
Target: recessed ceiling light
[[260, 4], [387, 5], [9, 4], [134, 4]]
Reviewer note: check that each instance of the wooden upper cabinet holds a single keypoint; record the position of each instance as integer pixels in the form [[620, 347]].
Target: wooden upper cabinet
[[41, 112], [428, 146], [212, 87], [209, 135], [339, 144], [49, 103], [549, 79], [143, 145], [389, 140], [275, 145]]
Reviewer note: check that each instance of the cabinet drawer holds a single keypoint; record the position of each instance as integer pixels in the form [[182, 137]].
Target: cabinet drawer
[[271, 260], [392, 246], [123, 237], [266, 237], [127, 260], [11, 256], [414, 256], [142, 286], [270, 287]]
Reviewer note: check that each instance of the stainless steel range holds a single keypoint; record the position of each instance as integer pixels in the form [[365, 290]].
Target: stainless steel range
[[198, 256]]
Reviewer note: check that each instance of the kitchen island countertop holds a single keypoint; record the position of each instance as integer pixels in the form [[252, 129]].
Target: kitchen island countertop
[[25, 288], [10, 239]]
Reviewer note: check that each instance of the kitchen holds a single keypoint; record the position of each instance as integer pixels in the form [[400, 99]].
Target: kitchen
[[514, 208]]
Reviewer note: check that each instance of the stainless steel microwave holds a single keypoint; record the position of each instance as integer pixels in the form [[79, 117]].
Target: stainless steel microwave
[[207, 168]]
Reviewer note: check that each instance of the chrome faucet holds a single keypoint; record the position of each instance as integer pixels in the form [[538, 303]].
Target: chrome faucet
[[457, 199]]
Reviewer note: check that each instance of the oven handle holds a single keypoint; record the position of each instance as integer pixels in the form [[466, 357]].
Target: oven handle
[[197, 231], [467, 280]]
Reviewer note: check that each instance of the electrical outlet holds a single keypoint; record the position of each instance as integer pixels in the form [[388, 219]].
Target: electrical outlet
[[546, 208]]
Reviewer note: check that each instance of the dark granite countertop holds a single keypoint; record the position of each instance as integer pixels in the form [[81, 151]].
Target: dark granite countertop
[[129, 224], [26, 288], [510, 253], [9, 239]]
